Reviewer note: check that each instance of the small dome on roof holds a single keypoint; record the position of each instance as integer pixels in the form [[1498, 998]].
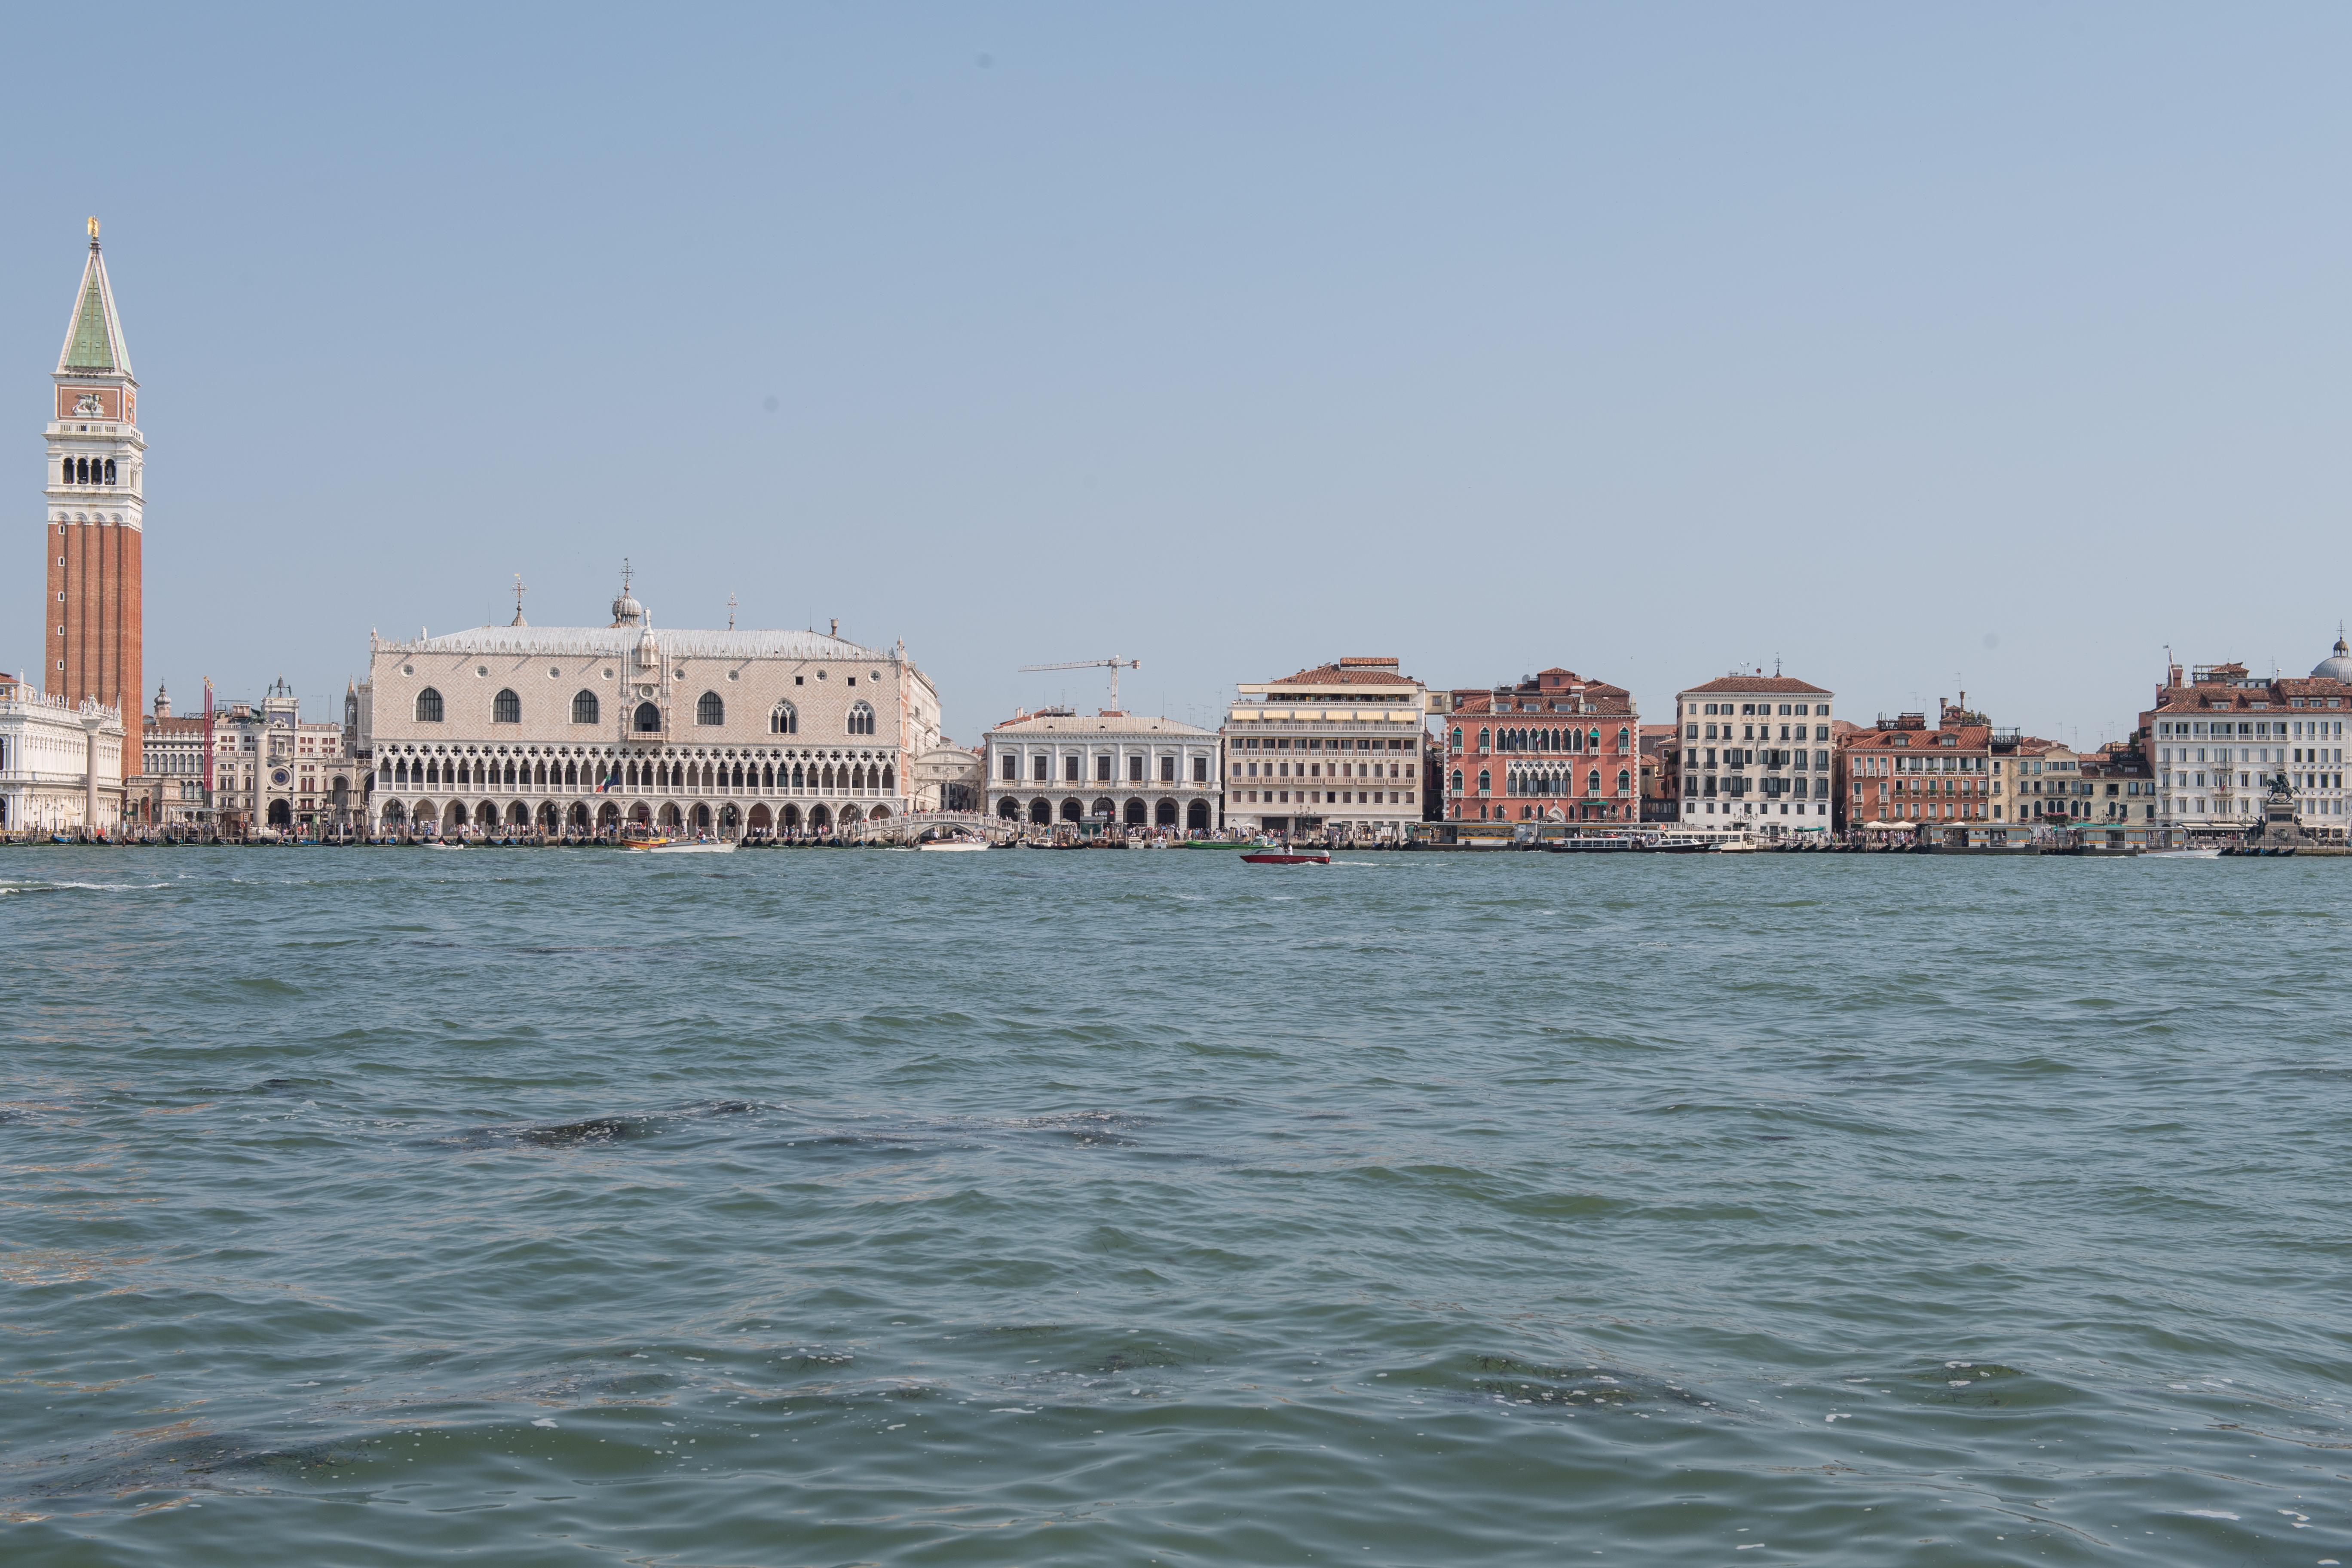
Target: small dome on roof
[[627, 611], [2338, 667]]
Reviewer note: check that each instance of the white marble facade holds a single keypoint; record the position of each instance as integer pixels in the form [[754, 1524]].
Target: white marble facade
[[60, 763], [1131, 771], [576, 730]]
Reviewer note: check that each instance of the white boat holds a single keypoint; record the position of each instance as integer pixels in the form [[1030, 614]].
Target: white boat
[[952, 845], [2181, 854], [693, 846]]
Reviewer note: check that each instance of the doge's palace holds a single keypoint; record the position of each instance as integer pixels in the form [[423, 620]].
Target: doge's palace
[[570, 730]]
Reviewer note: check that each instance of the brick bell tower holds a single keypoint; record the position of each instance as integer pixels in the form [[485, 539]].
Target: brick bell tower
[[96, 500]]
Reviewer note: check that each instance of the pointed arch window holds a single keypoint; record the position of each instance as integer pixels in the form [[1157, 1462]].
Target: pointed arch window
[[1592, 782], [1485, 782], [1483, 740], [711, 710], [648, 721], [428, 707], [585, 708], [109, 471], [861, 719], [785, 719], [506, 708]]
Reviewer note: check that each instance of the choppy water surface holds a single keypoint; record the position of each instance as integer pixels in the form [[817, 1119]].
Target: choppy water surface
[[522, 1207]]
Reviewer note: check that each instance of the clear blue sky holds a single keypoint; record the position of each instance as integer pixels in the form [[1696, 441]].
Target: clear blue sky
[[1918, 347]]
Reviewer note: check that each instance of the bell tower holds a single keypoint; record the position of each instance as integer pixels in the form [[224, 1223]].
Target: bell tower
[[96, 496]]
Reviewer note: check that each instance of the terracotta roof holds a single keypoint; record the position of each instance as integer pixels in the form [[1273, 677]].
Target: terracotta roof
[[2238, 698], [1608, 703], [1964, 738], [1776, 685], [1348, 672]]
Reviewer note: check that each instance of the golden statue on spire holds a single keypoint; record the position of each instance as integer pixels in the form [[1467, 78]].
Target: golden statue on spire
[[93, 229]]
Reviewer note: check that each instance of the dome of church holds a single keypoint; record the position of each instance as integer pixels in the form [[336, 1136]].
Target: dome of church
[[627, 611], [2338, 667]]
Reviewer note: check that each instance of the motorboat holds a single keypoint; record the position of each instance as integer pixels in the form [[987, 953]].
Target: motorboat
[[2190, 854], [1283, 857], [693, 846], [958, 845]]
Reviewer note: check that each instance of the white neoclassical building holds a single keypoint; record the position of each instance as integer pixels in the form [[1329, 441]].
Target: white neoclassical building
[[2217, 740], [580, 729], [61, 763], [1112, 768]]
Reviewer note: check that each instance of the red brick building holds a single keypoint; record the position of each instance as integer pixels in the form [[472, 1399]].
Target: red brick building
[[1553, 748], [96, 498], [1902, 771]]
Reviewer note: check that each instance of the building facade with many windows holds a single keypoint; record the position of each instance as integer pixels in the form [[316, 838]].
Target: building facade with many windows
[[2218, 738], [1112, 769], [1756, 752], [1336, 748], [1902, 773], [1554, 747], [577, 730], [61, 763]]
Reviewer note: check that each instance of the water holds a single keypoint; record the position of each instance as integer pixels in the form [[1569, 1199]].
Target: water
[[524, 1207]]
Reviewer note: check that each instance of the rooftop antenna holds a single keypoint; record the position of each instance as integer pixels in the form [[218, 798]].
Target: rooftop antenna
[[1114, 664]]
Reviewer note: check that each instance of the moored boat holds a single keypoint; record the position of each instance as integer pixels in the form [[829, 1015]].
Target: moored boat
[[1278, 857], [1631, 843], [692, 847], [957, 845]]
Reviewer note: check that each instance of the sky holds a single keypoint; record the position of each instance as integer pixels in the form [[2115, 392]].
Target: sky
[[1913, 348]]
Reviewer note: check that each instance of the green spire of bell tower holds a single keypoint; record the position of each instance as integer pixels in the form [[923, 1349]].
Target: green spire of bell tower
[[92, 347], [94, 337]]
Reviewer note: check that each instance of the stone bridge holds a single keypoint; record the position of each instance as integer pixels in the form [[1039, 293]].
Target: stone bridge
[[924, 824]]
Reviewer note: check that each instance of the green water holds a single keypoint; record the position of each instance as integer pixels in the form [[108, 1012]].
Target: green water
[[827, 1208]]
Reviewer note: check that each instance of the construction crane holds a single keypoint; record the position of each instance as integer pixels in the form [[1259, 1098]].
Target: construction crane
[[1114, 664]]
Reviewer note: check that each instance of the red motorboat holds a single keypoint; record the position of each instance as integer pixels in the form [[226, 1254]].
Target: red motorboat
[[1288, 857]]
